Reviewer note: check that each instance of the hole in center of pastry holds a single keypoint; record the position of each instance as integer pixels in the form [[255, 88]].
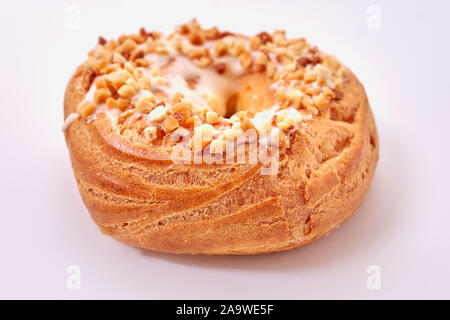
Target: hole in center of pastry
[[224, 92]]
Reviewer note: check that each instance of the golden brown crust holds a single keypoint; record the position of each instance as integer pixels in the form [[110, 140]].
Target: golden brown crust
[[228, 209]]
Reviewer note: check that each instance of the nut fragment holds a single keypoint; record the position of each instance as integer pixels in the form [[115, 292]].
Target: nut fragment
[[184, 108], [100, 83], [212, 117], [220, 48], [117, 103], [307, 101], [321, 101], [128, 45], [196, 38], [255, 43], [118, 58], [170, 123], [203, 135], [329, 93], [142, 62], [295, 98], [287, 118], [310, 76], [86, 108], [144, 83], [100, 95], [158, 113], [192, 122], [213, 102], [160, 81], [232, 134], [145, 103], [118, 78], [203, 61], [246, 59], [221, 68], [271, 69], [177, 97], [262, 59], [238, 48], [155, 71], [127, 91]]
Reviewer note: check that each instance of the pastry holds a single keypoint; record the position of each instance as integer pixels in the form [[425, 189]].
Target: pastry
[[212, 142]]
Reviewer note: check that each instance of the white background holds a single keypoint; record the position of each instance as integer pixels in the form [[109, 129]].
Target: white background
[[403, 226]]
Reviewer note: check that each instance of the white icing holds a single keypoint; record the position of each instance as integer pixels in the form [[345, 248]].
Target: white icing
[[208, 80], [69, 120], [262, 119]]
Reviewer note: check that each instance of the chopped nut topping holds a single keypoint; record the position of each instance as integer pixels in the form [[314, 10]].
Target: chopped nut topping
[[145, 103], [118, 78], [160, 80], [212, 117], [158, 113], [307, 101], [203, 135], [191, 122], [100, 83], [271, 69], [203, 62], [262, 59], [128, 45], [144, 83], [125, 78], [177, 97], [220, 48], [101, 95], [213, 102], [170, 123], [184, 108], [85, 109], [246, 59], [155, 72], [265, 37], [142, 62], [321, 101], [310, 76], [232, 134], [127, 91], [255, 43], [286, 118], [221, 68], [211, 33], [295, 97], [238, 48], [196, 38]]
